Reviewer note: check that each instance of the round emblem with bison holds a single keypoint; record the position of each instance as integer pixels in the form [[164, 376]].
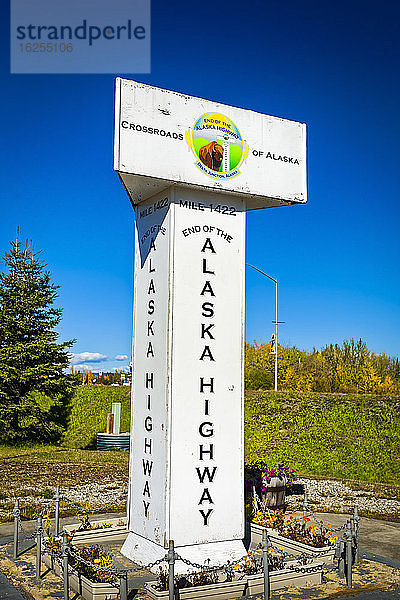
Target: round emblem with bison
[[217, 145]]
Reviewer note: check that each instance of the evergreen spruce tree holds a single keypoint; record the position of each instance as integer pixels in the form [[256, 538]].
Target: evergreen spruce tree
[[34, 390]]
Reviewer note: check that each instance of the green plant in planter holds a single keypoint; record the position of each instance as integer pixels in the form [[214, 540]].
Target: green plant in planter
[[276, 560], [297, 528], [281, 470], [253, 563], [259, 474], [100, 558], [204, 577], [84, 522], [54, 544]]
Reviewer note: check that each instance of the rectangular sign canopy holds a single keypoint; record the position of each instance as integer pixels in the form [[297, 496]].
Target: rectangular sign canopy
[[165, 138]]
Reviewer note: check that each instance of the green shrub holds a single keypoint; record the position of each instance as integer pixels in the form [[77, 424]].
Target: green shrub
[[41, 418], [88, 413]]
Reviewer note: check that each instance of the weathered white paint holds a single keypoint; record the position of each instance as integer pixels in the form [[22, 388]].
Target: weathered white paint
[[188, 421], [150, 431], [154, 133], [192, 168]]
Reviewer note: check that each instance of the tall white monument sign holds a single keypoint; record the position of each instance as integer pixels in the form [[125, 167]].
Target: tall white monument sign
[[192, 168]]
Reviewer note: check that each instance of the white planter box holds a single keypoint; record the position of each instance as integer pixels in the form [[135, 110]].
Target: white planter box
[[92, 591], [252, 584], [83, 586], [115, 533], [291, 546], [215, 591], [285, 578]]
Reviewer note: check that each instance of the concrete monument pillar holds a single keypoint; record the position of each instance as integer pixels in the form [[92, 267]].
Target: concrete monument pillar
[[190, 192]]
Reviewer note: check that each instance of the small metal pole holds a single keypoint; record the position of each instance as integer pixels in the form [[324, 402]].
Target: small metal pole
[[349, 555], [17, 514], [39, 531], [255, 503], [123, 586], [276, 322], [352, 528], [356, 521], [57, 516], [341, 558], [276, 336], [171, 575], [305, 505], [264, 545], [64, 553]]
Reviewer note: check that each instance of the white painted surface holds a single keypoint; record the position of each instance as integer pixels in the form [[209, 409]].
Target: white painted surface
[[220, 252], [150, 431], [189, 251], [192, 168], [144, 552], [155, 138]]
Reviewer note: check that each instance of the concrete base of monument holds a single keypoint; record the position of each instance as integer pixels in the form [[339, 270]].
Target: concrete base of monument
[[144, 552]]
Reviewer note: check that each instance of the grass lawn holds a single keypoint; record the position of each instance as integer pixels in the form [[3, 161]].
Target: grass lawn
[[341, 436], [336, 436], [60, 454]]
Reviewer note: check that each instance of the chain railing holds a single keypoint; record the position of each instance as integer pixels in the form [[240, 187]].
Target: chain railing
[[20, 534], [345, 551], [68, 551], [304, 563]]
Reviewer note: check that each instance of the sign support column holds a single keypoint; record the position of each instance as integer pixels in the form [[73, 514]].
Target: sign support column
[[192, 168], [188, 379]]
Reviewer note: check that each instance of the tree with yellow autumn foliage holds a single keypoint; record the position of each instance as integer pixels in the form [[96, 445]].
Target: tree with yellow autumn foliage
[[349, 368]]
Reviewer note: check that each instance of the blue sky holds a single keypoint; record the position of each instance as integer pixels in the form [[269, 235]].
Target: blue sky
[[334, 66]]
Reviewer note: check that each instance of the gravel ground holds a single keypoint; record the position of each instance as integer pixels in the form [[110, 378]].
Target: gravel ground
[[94, 496], [340, 497], [94, 486], [335, 496], [101, 488]]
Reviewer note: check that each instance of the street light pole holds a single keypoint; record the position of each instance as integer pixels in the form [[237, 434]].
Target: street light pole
[[276, 320], [276, 335]]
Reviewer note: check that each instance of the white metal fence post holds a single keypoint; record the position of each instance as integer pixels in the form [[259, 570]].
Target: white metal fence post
[[123, 586], [171, 575], [57, 516], [64, 554], [17, 514], [349, 555], [39, 531], [265, 543]]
